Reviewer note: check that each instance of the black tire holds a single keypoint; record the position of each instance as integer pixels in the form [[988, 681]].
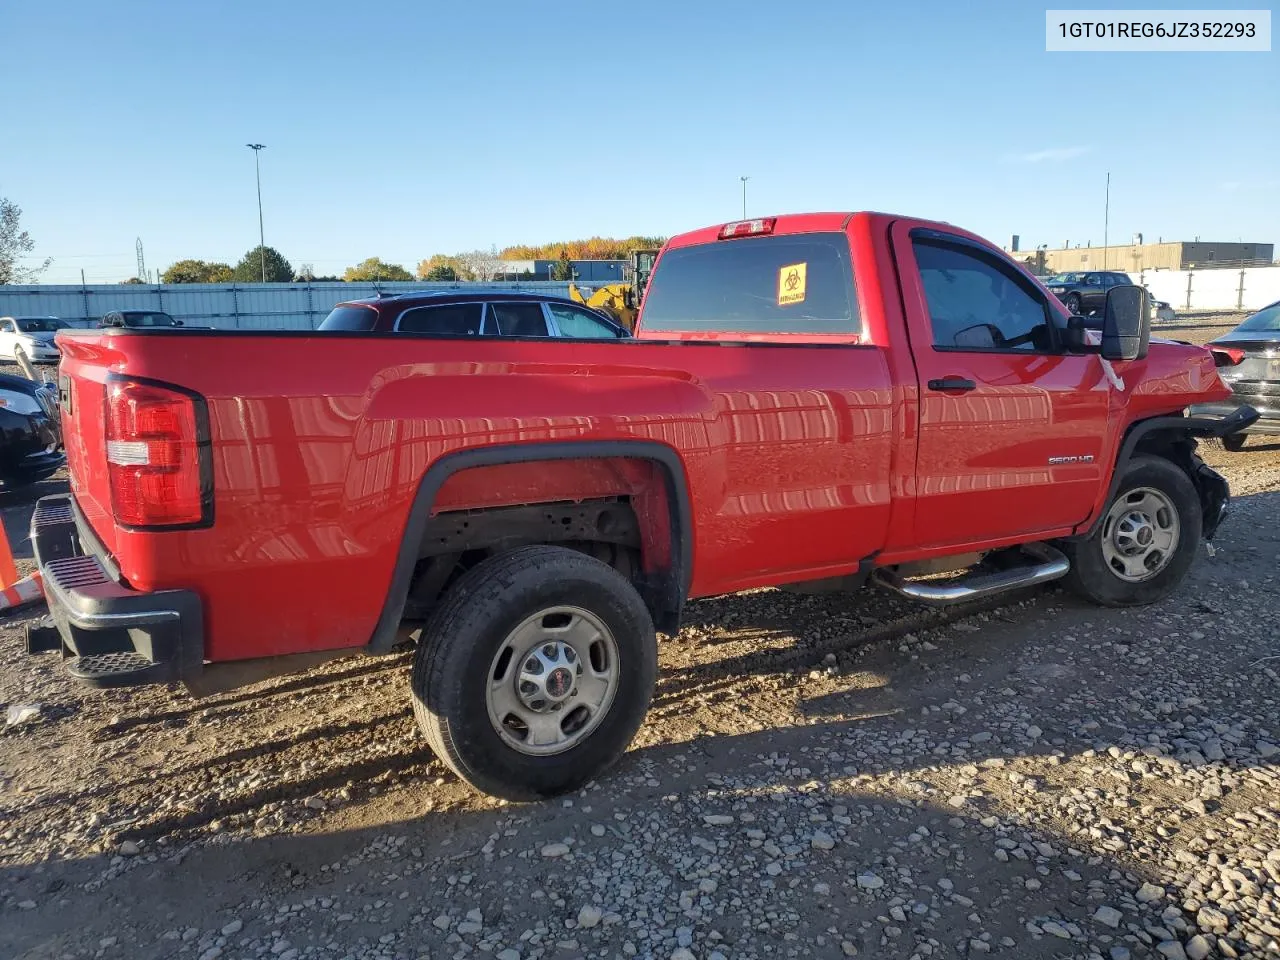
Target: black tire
[[474, 619], [1092, 578], [1072, 303], [1234, 442]]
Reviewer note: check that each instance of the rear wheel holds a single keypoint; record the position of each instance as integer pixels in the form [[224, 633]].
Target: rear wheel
[[1234, 442], [535, 672], [1146, 541]]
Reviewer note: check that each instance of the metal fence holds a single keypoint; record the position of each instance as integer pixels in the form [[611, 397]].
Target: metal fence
[[1249, 288], [248, 306]]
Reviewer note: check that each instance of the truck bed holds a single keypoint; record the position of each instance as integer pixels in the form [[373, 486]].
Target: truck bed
[[319, 443]]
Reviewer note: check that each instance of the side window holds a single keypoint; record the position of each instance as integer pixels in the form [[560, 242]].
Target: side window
[[977, 304], [516, 320], [448, 319], [6, 326], [579, 323], [1092, 280]]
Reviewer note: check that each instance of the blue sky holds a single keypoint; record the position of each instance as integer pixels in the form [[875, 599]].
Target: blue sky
[[404, 129]]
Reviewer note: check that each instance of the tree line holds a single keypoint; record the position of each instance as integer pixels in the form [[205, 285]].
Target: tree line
[[477, 265], [268, 263]]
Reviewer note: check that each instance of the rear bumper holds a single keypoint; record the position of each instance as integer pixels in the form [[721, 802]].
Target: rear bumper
[[112, 635]]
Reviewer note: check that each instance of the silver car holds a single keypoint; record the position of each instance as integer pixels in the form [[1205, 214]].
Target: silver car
[[31, 337]]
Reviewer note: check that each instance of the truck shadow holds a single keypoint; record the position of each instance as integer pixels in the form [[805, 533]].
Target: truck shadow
[[888, 818], [903, 782]]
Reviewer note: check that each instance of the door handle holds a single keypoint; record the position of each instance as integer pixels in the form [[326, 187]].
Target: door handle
[[952, 383]]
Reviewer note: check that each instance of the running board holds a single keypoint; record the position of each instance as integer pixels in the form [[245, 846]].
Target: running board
[[1044, 564]]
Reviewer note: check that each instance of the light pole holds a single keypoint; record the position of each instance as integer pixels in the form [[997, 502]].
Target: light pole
[[744, 196], [1106, 220], [262, 243]]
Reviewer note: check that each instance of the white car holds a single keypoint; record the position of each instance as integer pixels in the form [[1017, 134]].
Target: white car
[[32, 337]]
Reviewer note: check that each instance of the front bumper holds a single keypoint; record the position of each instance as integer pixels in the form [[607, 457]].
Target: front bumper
[[1268, 421], [38, 353], [111, 634], [30, 446]]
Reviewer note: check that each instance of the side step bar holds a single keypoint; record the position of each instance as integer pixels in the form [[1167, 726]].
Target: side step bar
[[1046, 564]]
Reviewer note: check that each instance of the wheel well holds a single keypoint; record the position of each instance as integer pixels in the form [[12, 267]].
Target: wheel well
[[1172, 441], [1176, 447], [626, 501], [457, 540]]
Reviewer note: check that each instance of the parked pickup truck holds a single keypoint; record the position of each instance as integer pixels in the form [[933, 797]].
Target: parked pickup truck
[[821, 400]]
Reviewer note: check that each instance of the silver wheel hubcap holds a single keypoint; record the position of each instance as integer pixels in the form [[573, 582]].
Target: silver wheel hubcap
[[1140, 534], [552, 681]]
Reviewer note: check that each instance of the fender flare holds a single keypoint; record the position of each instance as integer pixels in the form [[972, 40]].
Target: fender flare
[[665, 598], [1211, 486]]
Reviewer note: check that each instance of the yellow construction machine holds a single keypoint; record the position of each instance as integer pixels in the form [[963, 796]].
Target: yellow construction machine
[[621, 300]]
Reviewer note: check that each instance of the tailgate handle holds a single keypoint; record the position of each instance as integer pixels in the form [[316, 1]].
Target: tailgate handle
[[952, 383]]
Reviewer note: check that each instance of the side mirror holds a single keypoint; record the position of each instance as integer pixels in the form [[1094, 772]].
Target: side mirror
[[177, 323], [1126, 323]]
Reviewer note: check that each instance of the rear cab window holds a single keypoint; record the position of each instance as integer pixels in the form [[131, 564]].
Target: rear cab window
[[781, 285]]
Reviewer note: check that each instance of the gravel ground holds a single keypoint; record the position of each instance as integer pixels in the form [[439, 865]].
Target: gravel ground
[[819, 777]]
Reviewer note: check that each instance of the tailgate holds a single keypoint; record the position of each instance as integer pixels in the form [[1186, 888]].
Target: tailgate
[[87, 359]]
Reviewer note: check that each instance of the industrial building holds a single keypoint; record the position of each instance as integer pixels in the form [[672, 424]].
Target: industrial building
[[1137, 256]]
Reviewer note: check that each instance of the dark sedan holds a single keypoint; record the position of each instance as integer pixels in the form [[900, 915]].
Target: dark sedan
[[1248, 361], [1083, 292], [479, 313], [30, 437]]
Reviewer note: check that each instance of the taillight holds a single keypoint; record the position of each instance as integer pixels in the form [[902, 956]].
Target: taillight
[[1227, 356], [748, 228], [157, 455]]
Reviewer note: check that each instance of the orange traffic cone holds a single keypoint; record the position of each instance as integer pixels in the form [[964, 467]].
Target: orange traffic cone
[[8, 570], [15, 592], [27, 590]]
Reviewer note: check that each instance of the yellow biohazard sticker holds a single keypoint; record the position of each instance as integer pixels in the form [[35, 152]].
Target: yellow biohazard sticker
[[791, 279]]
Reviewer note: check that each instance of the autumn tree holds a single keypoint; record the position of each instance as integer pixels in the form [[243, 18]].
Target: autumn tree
[[441, 266], [595, 248], [199, 271], [249, 269], [14, 243], [374, 268]]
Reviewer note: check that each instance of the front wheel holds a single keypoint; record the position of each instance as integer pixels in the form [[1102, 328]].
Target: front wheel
[[1146, 541], [535, 672]]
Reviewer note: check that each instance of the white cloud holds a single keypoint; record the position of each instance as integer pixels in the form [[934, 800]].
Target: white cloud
[[1051, 155]]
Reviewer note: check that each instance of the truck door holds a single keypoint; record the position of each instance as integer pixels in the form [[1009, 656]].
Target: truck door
[[1012, 426]]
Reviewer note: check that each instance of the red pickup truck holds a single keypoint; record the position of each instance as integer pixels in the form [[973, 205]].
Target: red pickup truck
[[819, 399]]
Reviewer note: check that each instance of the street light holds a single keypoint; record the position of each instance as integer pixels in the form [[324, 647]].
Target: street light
[[262, 243], [744, 196]]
